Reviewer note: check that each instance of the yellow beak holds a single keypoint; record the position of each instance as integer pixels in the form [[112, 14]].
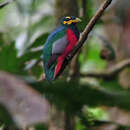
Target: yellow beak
[[77, 20]]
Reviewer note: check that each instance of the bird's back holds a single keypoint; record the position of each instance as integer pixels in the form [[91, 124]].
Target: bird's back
[[58, 45], [58, 33]]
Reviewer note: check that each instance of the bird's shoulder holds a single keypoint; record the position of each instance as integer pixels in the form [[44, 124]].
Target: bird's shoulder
[[55, 37], [58, 33], [74, 31]]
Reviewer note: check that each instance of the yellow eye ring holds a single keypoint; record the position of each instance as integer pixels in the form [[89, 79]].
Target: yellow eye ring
[[68, 17]]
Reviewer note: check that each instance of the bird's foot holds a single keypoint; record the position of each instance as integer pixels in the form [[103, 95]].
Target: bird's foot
[[68, 57]]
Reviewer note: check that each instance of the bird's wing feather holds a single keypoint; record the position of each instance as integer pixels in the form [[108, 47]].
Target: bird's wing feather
[[59, 45], [57, 49], [72, 40], [55, 45]]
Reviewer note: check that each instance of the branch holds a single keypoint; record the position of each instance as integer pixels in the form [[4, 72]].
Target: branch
[[83, 8], [110, 74], [86, 32], [4, 4], [90, 26]]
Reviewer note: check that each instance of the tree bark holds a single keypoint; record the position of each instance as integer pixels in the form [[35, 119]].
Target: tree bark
[[61, 120], [65, 8], [56, 119]]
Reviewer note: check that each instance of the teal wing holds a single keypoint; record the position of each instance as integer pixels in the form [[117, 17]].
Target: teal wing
[[53, 47]]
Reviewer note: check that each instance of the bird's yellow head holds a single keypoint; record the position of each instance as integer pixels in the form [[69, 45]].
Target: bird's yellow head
[[69, 20]]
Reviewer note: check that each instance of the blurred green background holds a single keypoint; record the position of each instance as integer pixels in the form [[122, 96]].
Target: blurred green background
[[92, 93]]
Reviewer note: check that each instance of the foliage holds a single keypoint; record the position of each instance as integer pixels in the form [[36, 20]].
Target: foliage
[[64, 98], [68, 96]]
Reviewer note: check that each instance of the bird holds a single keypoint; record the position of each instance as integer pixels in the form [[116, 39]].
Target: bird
[[58, 46]]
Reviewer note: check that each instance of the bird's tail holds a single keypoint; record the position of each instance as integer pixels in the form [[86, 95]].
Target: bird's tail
[[60, 61], [49, 72]]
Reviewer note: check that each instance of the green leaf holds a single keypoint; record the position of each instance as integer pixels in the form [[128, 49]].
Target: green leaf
[[37, 70], [41, 127], [39, 41], [1, 40], [8, 58], [30, 55], [90, 57], [9, 61], [73, 96], [5, 117], [112, 85]]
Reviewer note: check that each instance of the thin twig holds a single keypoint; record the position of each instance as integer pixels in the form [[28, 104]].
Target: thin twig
[[4, 4], [111, 73], [90, 26], [86, 31]]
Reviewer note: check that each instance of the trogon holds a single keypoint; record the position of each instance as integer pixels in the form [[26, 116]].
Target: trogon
[[58, 46]]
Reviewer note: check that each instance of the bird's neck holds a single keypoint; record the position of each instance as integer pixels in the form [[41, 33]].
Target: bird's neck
[[73, 27], [75, 30]]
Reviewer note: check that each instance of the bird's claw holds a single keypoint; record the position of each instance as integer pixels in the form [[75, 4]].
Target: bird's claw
[[68, 57]]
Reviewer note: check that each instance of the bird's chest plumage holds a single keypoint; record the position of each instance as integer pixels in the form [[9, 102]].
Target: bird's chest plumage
[[59, 44], [75, 31], [72, 37]]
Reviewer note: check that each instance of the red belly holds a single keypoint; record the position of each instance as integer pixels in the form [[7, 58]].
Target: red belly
[[72, 40]]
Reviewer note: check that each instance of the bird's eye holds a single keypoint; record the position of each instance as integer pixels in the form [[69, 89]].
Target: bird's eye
[[67, 19]]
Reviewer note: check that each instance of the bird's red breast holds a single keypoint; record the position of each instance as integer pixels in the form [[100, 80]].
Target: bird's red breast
[[72, 40]]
